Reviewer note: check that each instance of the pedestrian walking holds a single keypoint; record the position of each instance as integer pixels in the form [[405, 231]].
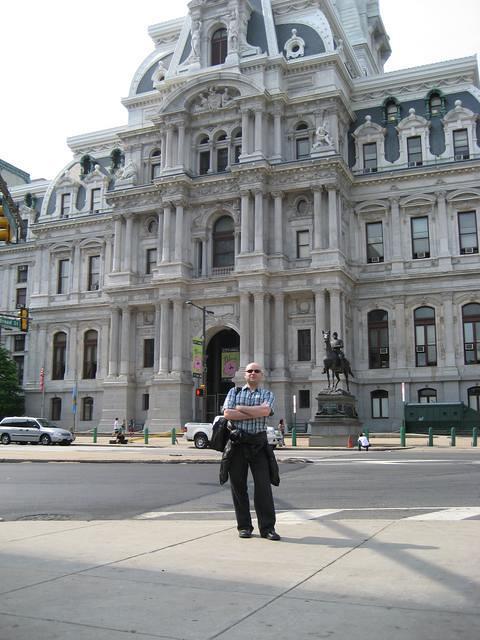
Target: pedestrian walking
[[247, 409], [281, 428]]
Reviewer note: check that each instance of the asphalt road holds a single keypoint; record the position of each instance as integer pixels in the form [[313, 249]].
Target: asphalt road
[[367, 484]]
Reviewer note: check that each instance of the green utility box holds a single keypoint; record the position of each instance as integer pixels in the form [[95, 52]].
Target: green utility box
[[441, 416]]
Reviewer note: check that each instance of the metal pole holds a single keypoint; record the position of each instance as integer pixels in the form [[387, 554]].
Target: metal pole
[[430, 436], [453, 437], [204, 364], [474, 436]]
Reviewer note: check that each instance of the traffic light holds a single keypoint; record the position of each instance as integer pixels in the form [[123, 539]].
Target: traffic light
[[200, 391], [4, 225], [23, 319]]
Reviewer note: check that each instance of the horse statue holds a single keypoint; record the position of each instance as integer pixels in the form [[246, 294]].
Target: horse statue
[[335, 363]]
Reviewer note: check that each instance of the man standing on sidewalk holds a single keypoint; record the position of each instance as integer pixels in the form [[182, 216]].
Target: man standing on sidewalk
[[248, 408]]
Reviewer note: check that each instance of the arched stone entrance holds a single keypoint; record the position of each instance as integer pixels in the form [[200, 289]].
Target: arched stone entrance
[[218, 385]]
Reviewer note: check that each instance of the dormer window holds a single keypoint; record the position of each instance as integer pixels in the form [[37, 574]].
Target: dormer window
[[219, 47], [392, 111], [302, 141], [66, 202], [155, 164], [435, 104]]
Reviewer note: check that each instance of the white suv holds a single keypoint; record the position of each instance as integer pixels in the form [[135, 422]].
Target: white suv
[[35, 430], [201, 432]]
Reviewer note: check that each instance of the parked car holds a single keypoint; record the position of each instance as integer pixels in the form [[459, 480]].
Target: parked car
[[201, 432], [34, 430]]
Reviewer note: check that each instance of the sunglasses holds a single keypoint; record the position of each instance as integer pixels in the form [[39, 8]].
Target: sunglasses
[[253, 371]]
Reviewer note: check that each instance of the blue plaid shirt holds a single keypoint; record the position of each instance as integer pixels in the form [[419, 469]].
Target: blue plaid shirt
[[250, 399]]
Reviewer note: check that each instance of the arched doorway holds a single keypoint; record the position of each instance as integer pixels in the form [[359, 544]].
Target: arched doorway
[[222, 348]]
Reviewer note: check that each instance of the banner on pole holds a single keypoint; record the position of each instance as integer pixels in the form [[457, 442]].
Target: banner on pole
[[74, 399], [197, 360], [230, 363], [42, 379]]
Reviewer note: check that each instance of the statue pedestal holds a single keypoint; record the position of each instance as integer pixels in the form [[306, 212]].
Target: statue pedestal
[[335, 421]]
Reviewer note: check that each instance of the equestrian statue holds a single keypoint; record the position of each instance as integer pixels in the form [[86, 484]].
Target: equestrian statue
[[335, 362]]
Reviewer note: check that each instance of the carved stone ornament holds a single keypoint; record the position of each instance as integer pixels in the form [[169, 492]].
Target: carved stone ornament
[[295, 46], [213, 99], [158, 75], [128, 174]]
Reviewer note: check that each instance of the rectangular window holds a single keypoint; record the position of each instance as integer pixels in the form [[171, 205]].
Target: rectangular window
[[204, 162], [304, 344], [222, 159], [62, 276], [19, 343], [302, 148], [303, 244], [22, 273], [87, 409], [237, 153], [375, 242], [414, 151], [420, 238], [151, 260], [380, 406], [156, 170], [146, 401], [370, 157], [93, 273], [55, 408], [304, 399], [65, 204], [467, 230], [20, 363], [95, 200], [148, 351], [460, 144], [21, 297]]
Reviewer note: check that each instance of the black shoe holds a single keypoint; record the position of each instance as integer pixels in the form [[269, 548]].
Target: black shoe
[[244, 533], [271, 535]]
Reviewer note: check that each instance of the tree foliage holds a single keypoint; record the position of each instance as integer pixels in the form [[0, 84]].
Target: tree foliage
[[11, 393]]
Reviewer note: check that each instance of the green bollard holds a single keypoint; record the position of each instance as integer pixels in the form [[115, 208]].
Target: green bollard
[[94, 435], [430, 436], [453, 437], [474, 436], [145, 435], [402, 436], [174, 435], [294, 436], [367, 433]]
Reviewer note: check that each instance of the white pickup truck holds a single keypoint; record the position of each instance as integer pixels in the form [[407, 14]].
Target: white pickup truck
[[201, 432]]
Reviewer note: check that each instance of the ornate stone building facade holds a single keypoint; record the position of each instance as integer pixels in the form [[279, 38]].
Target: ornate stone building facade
[[272, 173]]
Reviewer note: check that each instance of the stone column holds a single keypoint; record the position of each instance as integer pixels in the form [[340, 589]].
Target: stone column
[[245, 132], [168, 146], [259, 131], [164, 336], [336, 323], [245, 222], [259, 220], [396, 230], [204, 257], [245, 356], [259, 328], [178, 336], [399, 335], [442, 225], [107, 252], [181, 144], [277, 135], [317, 217], [448, 330], [114, 335], [125, 341], [127, 257], [167, 215], [278, 222], [332, 218], [320, 325], [179, 236], [117, 244], [279, 346], [160, 238], [76, 272]]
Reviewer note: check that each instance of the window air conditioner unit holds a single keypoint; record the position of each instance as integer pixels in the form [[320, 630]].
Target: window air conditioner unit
[[422, 254], [415, 163], [420, 348], [470, 249], [462, 156], [469, 346], [370, 170], [23, 267], [383, 351], [375, 259]]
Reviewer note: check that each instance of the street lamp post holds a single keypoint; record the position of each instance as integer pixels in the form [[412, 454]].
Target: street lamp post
[[204, 311]]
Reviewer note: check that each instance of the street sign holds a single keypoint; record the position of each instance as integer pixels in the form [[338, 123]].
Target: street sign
[[11, 323]]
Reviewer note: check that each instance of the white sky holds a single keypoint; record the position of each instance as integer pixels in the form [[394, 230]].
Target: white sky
[[65, 65]]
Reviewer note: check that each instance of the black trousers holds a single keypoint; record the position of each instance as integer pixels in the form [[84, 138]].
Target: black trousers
[[263, 498]]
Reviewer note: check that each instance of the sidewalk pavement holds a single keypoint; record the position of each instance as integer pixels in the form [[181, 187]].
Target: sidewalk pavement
[[348, 579]]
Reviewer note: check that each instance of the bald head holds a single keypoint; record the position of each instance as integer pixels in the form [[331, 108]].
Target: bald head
[[253, 374]]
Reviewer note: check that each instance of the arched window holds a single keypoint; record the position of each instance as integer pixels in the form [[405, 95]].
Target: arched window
[[223, 243], [219, 47], [59, 352], [155, 164], [391, 111], [474, 398], [379, 400], [55, 408], [87, 409], [425, 337], [427, 395], [471, 333], [90, 355], [302, 141], [436, 104], [378, 355], [203, 155]]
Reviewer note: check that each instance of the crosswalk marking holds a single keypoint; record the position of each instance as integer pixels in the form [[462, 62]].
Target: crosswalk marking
[[454, 513], [301, 515]]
